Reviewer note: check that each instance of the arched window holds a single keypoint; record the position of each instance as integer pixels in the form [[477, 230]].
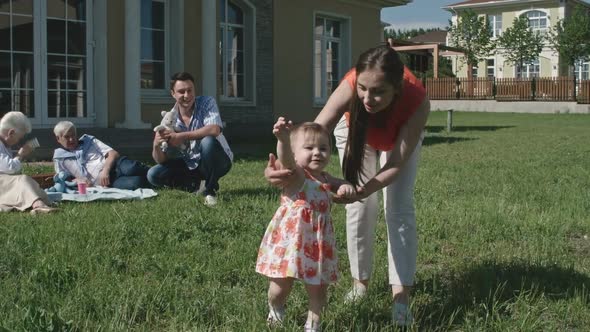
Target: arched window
[[538, 20], [236, 36]]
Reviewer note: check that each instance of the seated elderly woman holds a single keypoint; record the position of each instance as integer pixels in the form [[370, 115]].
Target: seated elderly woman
[[19, 191], [89, 160]]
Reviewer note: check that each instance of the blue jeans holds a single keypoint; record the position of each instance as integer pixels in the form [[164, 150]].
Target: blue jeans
[[214, 164], [128, 174]]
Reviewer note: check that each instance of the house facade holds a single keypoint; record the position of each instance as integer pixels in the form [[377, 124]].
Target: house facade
[[542, 15], [107, 63]]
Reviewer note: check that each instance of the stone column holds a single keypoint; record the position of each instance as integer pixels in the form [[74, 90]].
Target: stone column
[[132, 67], [209, 48]]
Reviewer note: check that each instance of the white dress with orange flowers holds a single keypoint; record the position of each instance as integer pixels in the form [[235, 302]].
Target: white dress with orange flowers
[[299, 241]]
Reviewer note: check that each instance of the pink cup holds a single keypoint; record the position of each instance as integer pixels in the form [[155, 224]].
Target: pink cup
[[82, 188]]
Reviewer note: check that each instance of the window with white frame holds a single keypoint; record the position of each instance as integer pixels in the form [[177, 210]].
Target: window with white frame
[[528, 70], [582, 70], [236, 65], [495, 24], [474, 70], [328, 61], [538, 20], [66, 60], [45, 59], [154, 44], [491, 68], [17, 70]]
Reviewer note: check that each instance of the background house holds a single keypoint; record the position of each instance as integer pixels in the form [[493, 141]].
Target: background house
[[106, 63], [542, 15], [427, 54]]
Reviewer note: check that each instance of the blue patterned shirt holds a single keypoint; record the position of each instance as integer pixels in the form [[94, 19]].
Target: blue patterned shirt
[[205, 113]]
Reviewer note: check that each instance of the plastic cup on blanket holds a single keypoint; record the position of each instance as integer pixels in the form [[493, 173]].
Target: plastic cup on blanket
[[82, 188]]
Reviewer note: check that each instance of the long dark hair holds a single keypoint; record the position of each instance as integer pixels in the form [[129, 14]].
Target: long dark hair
[[385, 59]]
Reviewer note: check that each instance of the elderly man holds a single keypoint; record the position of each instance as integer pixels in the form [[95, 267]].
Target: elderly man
[[19, 191], [89, 160]]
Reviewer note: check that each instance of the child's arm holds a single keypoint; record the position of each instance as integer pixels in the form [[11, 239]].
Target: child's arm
[[282, 130]]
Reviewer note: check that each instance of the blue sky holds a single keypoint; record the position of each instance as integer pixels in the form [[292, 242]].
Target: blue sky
[[418, 14]]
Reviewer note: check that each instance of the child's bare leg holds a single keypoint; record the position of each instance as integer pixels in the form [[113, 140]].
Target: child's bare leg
[[278, 291], [317, 300]]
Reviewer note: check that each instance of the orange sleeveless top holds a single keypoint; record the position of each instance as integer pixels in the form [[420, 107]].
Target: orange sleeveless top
[[382, 137]]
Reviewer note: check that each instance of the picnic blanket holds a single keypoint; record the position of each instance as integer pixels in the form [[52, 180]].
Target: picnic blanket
[[103, 193]]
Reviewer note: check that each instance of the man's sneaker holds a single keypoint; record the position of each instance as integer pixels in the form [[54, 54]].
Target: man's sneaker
[[210, 200], [402, 316], [356, 293], [276, 316]]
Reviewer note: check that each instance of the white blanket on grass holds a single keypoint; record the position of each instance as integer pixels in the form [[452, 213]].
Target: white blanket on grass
[[102, 193]]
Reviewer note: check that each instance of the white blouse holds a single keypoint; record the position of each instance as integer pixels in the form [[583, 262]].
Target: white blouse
[[8, 164]]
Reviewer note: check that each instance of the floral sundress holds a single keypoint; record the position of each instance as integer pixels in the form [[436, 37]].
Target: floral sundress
[[299, 241]]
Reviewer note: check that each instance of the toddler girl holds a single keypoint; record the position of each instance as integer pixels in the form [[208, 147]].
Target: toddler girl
[[299, 241]]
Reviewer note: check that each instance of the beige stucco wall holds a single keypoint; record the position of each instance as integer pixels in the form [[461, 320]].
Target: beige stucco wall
[[192, 37], [293, 49], [545, 67]]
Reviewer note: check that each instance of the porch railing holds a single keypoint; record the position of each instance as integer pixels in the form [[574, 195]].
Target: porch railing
[[509, 89]]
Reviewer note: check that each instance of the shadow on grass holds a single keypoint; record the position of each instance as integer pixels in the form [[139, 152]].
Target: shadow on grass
[[490, 283], [438, 129], [432, 140], [260, 191], [445, 300]]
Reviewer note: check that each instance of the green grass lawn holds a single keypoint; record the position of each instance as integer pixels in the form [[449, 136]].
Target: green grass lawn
[[503, 205]]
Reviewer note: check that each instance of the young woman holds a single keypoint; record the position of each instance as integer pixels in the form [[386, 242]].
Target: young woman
[[385, 109]]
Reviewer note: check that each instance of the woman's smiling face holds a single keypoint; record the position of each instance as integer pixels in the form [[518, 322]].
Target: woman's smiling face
[[374, 91]]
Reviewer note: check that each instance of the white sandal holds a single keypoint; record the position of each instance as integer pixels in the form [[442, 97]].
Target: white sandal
[[275, 316]]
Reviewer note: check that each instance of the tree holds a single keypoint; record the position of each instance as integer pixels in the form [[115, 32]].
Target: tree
[[521, 45], [407, 34], [570, 37], [472, 34]]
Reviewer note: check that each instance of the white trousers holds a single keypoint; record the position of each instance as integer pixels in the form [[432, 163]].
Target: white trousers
[[400, 217]]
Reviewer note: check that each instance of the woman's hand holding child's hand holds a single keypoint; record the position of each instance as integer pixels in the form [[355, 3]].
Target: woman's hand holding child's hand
[[346, 191], [346, 197], [275, 174]]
